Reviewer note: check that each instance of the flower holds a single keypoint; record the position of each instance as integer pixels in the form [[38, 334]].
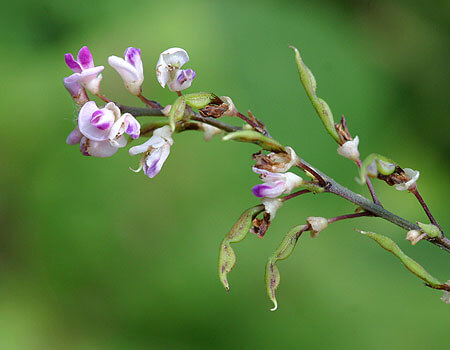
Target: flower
[[415, 236], [85, 72], [275, 184], [317, 224], [168, 69], [350, 149], [271, 206], [130, 69], [103, 130], [75, 89], [231, 111], [276, 162], [413, 176], [155, 151], [74, 137]]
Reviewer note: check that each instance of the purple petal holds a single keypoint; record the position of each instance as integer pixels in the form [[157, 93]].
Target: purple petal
[[133, 128], [155, 161], [72, 84], [85, 58], [270, 190], [74, 137], [71, 63], [132, 55]]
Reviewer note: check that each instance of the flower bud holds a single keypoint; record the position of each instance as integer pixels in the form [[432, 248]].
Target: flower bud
[[414, 236], [350, 149], [431, 230], [317, 224]]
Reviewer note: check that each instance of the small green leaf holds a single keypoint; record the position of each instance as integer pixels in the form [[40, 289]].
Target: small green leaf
[[310, 85], [227, 257], [385, 166], [409, 263], [283, 252], [255, 137], [200, 99], [177, 111]]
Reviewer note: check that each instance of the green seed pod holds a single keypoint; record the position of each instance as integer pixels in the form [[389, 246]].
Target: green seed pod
[[283, 252], [310, 85], [227, 257], [200, 99], [409, 263], [255, 137], [177, 111]]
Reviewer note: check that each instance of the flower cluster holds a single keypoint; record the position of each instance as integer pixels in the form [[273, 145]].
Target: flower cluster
[[101, 131]]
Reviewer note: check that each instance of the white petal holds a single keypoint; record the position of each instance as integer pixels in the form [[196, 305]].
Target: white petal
[[175, 57], [154, 141], [165, 132], [350, 149], [84, 123], [131, 77], [101, 149], [292, 181], [271, 206]]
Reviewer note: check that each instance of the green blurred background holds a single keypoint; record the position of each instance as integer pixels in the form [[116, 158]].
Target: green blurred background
[[93, 256]]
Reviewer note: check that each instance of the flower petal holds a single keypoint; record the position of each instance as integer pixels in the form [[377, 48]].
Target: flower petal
[[133, 56], [175, 57], [270, 190], [154, 141], [74, 137], [101, 149], [129, 74], [84, 58], [71, 63], [155, 160], [182, 80], [84, 123]]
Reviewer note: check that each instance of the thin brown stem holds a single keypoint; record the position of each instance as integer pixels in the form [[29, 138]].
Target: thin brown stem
[[149, 103], [349, 216], [369, 185], [416, 193], [312, 171], [293, 195], [103, 98]]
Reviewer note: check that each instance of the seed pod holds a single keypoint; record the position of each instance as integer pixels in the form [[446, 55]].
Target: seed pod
[[255, 137]]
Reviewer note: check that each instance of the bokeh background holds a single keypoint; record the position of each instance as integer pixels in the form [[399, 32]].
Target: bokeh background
[[93, 256]]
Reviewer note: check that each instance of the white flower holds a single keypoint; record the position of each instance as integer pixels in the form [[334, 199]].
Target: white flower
[[155, 150], [413, 177], [350, 149], [271, 206], [168, 70], [231, 111], [78, 93], [103, 129], [275, 184], [86, 73], [317, 224], [130, 69]]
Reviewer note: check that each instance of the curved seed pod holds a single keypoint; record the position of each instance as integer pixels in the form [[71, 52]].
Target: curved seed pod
[[227, 257], [201, 99], [255, 137], [310, 85], [384, 165], [283, 252], [409, 263], [177, 111]]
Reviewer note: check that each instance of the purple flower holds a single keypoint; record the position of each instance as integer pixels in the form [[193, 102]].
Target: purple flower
[[275, 184], [85, 73], [130, 69], [168, 69], [155, 151], [100, 132]]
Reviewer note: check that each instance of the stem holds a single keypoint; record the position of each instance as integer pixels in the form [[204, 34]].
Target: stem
[[330, 185], [293, 195], [301, 164], [369, 185], [415, 191], [103, 98], [349, 216], [150, 103]]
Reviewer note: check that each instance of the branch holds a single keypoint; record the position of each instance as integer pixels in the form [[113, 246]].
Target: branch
[[329, 184]]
